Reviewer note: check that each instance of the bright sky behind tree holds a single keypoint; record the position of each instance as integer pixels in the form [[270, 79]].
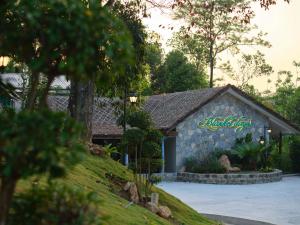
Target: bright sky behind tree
[[281, 22]]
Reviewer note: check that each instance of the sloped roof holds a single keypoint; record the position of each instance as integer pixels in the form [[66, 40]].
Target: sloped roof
[[166, 110], [104, 116]]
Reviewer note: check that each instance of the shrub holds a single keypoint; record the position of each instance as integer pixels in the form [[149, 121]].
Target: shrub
[[55, 204], [35, 143], [249, 153], [109, 150], [208, 164], [281, 161], [295, 153]]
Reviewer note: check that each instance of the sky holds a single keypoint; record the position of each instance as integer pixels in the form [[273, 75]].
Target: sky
[[281, 22]]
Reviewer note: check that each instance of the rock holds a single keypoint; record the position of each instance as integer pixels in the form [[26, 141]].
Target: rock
[[182, 169], [164, 212], [152, 207], [133, 192], [134, 195], [225, 162], [127, 186], [96, 149], [234, 169]]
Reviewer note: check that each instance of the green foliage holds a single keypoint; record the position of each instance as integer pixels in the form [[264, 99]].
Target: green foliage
[[295, 153], [155, 179], [109, 150], [139, 119], [249, 153], [90, 175], [80, 39], [246, 139], [153, 52], [178, 74], [143, 142], [35, 142], [216, 26], [286, 99], [282, 160], [151, 150], [249, 66], [135, 73], [55, 204], [133, 136], [38, 142], [203, 164], [61, 48]]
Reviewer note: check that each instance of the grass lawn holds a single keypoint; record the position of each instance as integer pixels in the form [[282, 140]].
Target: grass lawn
[[90, 176]]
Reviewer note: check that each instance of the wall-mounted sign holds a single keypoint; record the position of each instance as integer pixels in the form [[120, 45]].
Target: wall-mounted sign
[[215, 123]]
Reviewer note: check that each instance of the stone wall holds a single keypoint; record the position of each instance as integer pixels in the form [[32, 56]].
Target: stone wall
[[231, 178], [192, 140]]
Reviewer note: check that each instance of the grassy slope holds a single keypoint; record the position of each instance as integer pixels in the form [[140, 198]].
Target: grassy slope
[[93, 169]]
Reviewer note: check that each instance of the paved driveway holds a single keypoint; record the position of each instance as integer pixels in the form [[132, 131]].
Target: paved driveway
[[277, 203]]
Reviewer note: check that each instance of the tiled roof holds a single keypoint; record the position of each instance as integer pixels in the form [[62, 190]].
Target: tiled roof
[[104, 116], [165, 109]]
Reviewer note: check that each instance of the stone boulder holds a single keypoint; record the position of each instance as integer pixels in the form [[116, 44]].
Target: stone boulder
[[225, 162], [96, 149], [164, 212], [152, 207], [131, 188]]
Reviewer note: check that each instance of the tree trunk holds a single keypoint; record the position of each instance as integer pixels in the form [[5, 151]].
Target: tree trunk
[[34, 82], [43, 99], [136, 159], [211, 63], [7, 190], [81, 104]]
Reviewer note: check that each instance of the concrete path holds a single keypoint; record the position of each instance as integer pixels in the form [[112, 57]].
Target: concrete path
[[277, 203]]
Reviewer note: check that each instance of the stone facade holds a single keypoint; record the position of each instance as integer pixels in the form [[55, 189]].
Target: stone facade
[[192, 140]]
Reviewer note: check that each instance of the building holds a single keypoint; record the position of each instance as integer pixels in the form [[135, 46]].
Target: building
[[20, 81], [199, 120]]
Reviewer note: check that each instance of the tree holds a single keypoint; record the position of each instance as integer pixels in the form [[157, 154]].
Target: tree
[[177, 74], [153, 52], [217, 26], [193, 47], [79, 39], [286, 98], [247, 67], [143, 141], [31, 143]]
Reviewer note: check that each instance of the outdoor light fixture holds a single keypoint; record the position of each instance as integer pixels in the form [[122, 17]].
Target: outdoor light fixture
[[133, 98], [262, 140], [269, 130], [4, 60]]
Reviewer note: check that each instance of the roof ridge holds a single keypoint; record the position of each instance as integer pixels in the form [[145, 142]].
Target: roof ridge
[[194, 90]]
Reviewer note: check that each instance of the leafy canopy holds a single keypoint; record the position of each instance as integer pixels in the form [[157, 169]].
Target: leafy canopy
[[178, 74], [37, 142]]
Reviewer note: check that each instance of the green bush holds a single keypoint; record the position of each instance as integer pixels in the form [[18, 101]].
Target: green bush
[[250, 155], [35, 142], [55, 204], [295, 153], [208, 164], [281, 161]]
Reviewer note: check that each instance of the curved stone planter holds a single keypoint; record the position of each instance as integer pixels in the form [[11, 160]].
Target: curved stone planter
[[231, 178]]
